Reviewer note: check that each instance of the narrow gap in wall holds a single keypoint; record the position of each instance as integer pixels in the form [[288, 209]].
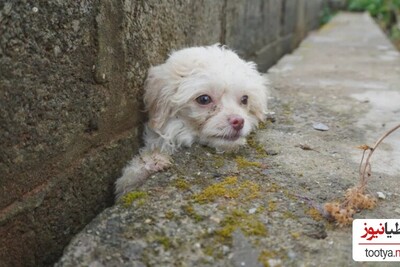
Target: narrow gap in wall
[[282, 22], [222, 37]]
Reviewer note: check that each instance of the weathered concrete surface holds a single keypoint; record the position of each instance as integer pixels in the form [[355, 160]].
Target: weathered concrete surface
[[249, 208], [71, 75]]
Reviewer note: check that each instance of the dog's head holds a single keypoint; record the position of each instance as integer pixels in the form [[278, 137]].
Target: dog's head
[[210, 92]]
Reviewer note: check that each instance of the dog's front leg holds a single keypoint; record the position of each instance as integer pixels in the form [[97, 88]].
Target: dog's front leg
[[140, 168]]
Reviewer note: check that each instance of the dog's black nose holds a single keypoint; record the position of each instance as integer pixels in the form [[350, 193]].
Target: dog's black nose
[[236, 122]]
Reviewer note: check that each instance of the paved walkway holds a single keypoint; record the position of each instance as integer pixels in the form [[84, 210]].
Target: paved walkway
[[244, 209]]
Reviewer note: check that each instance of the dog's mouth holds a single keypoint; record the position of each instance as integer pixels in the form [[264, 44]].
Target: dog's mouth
[[229, 137]]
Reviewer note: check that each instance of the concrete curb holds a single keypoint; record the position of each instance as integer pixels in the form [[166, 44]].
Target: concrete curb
[[251, 208]]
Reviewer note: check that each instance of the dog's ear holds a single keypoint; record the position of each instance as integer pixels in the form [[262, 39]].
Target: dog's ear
[[157, 96], [260, 110], [258, 104]]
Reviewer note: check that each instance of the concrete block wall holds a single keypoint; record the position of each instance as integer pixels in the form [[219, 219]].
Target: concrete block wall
[[71, 78]]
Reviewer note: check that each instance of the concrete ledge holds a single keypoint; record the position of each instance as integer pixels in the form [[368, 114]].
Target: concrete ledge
[[249, 208]]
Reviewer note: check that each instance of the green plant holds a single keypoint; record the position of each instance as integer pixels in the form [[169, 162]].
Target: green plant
[[386, 12], [327, 14]]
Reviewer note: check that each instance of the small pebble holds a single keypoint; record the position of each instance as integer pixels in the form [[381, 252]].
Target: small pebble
[[271, 152], [381, 195], [271, 117], [320, 126], [147, 221], [274, 262], [57, 50], [225, 249], [215, 219], [292, 255], [252, 210]]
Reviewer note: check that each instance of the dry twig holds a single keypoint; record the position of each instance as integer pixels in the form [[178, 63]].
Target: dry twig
[[355, 197]]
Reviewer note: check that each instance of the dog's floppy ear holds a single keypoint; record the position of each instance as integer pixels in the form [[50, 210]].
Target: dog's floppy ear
[[157, 96], [258, 104]]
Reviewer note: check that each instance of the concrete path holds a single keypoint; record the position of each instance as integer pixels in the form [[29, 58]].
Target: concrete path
[[249, 208]]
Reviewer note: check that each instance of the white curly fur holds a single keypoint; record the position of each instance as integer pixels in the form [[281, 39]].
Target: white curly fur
[[177, 119]]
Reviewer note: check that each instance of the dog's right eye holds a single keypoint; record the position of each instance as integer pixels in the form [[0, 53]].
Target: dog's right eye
[[204, 100]]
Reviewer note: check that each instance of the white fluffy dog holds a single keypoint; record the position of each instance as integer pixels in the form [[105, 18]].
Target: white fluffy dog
[[200, 94]]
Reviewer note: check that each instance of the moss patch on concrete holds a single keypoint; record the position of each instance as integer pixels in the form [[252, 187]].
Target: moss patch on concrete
[[259, 148], [131, 197], [229, 188], [189, 210], [238, 219], [244, 163], [219, 161], [181, 184]]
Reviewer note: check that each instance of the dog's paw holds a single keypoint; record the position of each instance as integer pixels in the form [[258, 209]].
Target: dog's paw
[[155, 161], [139, 169]]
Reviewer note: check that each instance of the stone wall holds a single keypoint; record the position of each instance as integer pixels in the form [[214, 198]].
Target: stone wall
[[71, 77]]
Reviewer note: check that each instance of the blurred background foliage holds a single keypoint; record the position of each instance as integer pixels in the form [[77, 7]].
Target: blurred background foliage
[[386, 13]]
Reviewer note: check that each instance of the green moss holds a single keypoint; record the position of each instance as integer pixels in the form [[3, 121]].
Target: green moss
[[262, 125], [244, 163], [163, 240], [226, 189], [169, 215], [273, 188], [265, 256], [189, 210], [129, 198], [251, 141], [213, 250], [289, 215], [229, 188], [249, 224], [315, 214], [209, 250], [181, 184], [295, 235], [271, 206], [141, 202], [218, 161]]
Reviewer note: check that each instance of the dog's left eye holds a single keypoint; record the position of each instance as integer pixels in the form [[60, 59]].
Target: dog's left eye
[[204, 100], [244, 99]]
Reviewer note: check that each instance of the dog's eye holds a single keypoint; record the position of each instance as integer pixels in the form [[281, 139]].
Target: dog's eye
[[204, 100], [244, 99]]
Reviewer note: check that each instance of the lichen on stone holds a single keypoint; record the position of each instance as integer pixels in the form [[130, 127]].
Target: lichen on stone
[[238, 219], [251, 141], [244, 163], [315, 214], [181, 184], [130, 197], [229, 188], [218, 161], [189, 210]]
